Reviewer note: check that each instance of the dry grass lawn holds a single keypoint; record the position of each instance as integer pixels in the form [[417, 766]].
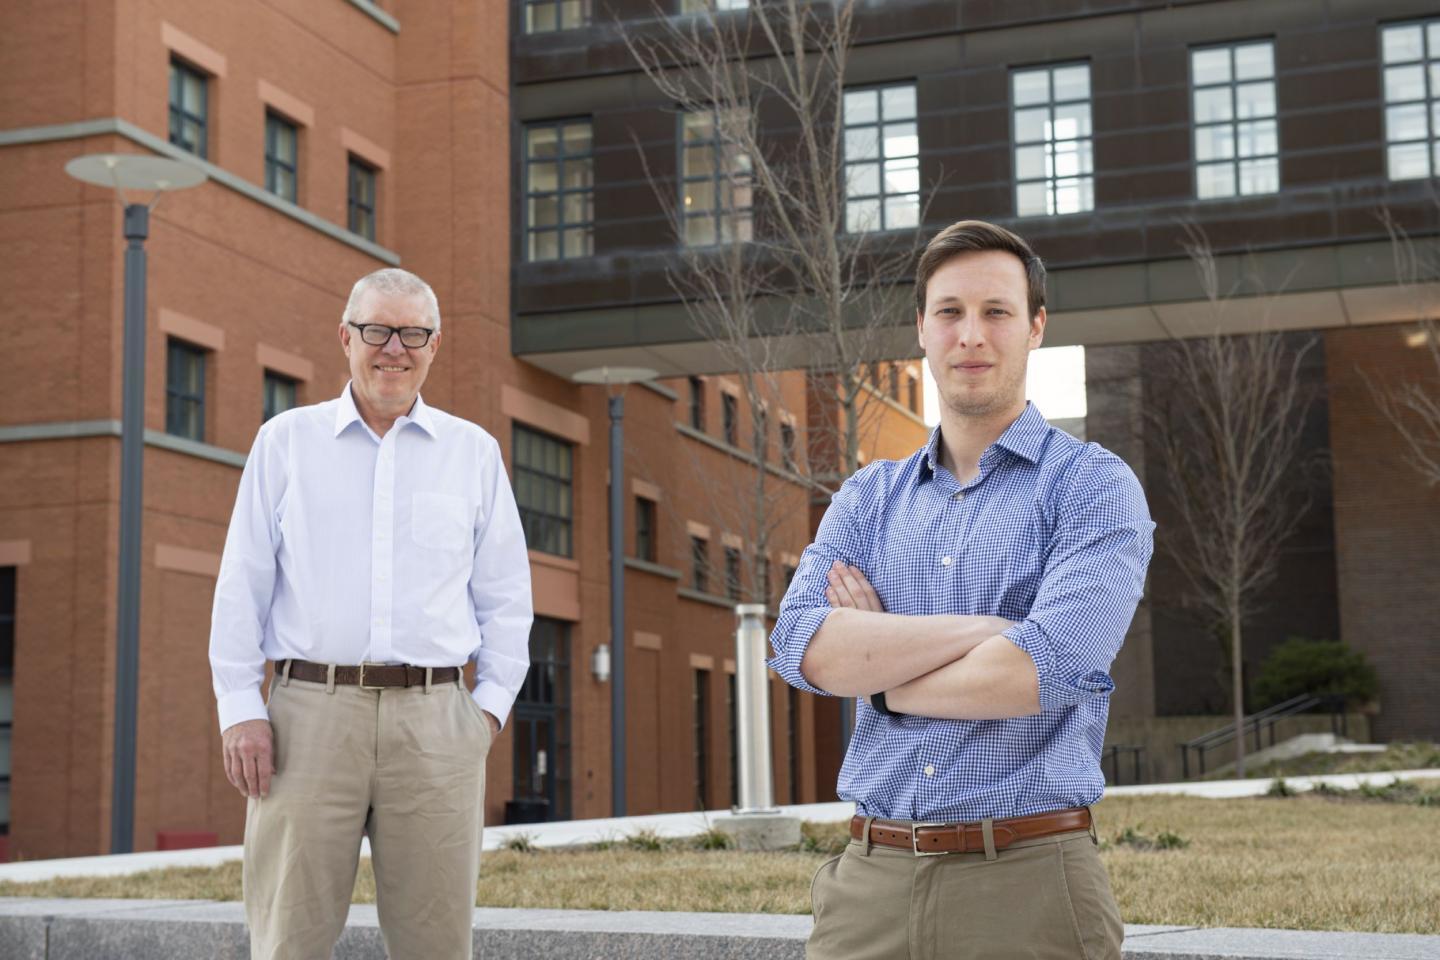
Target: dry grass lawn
[[1306, 862]]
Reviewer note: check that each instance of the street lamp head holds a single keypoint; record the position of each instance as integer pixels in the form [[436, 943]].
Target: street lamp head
[[614, 375], [135, 171]]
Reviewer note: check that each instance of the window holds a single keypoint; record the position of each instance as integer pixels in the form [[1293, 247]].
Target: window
[[282, 157], [732, 573], [280, 392], [894, 383], [185, 390], [189, 108], [1236, 142], [1054, 155], [1411, 53], [715, 178], [700, 564], [913, 385], [544, 16], [762, 434], [541, 723], [361, 200], [882, 159], [7, 689], [544, 473], [730, 414], [697, 403], [787, 446], [559, 191], [700, 6], [645, 529], [732, 708], [700, 706]]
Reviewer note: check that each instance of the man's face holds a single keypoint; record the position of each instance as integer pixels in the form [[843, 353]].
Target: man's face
[[977, 333], [388, 377]]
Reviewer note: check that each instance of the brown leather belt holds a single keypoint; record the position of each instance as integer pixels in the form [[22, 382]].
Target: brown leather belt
[[930, 839], [371, 676]]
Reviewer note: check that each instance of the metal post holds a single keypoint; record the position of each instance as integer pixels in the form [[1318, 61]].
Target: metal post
[[757, 776], [847, 724], [617, 604], [132, 439]]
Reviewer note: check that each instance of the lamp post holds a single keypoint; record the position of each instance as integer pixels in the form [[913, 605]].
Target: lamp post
[[154, 175], [616, 376]]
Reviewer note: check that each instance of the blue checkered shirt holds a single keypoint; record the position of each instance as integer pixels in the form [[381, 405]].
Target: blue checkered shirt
[[1053, 534]]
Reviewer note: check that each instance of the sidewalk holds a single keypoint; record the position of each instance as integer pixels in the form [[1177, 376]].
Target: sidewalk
[[126, 929]]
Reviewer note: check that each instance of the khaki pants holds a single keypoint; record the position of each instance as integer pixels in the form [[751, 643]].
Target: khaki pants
[[1044, 899], [405, 767]]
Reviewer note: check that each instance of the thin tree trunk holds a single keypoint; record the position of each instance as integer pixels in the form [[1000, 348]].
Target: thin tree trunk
[[1237, 687]]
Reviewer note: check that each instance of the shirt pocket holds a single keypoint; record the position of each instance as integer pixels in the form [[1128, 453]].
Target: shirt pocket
[[439, 521]]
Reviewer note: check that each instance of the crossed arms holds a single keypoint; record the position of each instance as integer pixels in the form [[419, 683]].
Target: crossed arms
[[949, 667]]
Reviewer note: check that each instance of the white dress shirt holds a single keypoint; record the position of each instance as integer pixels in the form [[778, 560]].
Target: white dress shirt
[[347, 547]]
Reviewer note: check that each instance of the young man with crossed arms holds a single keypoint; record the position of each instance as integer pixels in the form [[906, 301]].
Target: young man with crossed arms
[[976, 595]]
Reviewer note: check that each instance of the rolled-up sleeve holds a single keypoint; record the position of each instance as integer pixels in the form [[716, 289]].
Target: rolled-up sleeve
[[500, 593], [245, 585], [1093, 580], [805, 606]]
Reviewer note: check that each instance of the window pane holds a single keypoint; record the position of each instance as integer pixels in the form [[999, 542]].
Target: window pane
[[1030, 200], [1255, 139], [861, 106], [902, 212], [864, 180], [1072, 121], [1432, 32], [577, 174], [572, 14], [902, 176], [543, 177], [541, 143], [862, 216], [898, 103], [1401, 44], [1212, 105], [699, 195], [1210, 66], [578, 242], [576, 208], [901, 140], [1067, 160], [697, 161], [543, 212], [1259, 176], [1215, 143], [1072, 83], [1404, 83], [1030, 87], [700, 231], [1029, 163], [862, 144], [699, 126], [1255, 99], [544, 245], [1215, 180], [1069, 197], [577, 138], [1408, 161], [1031, 125], [1254, 61]]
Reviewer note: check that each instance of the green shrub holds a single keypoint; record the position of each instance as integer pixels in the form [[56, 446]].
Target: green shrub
[[1325, 667], [1280, 789]]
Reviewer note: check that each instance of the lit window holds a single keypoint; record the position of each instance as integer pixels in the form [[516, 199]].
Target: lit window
[[559, 191], [546, 16], [882, 159], [1054, 149], [1411, 54], [1237, 145], [715, 185]]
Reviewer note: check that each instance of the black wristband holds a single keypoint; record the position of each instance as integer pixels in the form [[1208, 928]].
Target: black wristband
[[877, 703]]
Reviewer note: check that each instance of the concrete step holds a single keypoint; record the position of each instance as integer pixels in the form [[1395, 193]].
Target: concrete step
[[207, 930]]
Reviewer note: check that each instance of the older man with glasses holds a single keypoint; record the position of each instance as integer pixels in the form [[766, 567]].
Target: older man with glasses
[[375, 547]]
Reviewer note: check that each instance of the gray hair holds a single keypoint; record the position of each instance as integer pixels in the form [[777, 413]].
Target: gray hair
[[395, 282]]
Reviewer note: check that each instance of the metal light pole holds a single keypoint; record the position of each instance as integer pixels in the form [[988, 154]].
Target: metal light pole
[[612, 376], [154, 175], [757, 777]]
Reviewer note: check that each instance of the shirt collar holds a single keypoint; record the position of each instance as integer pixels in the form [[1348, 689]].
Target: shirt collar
[[1025, 437], [347, 413]]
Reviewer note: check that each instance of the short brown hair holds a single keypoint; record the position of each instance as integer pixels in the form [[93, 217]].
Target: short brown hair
[[971, 235]]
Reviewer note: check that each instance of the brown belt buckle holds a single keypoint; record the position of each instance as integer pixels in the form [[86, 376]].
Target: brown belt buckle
[[363, 684], [915, 840]]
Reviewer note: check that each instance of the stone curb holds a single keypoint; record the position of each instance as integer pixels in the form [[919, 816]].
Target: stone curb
[[35, 929]]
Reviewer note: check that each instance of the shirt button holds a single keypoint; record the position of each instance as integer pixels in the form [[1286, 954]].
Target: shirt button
[[958, 495], [929, 770], [946, 561]]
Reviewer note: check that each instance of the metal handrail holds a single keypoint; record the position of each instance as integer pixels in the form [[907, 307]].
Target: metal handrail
[[1262, 720]]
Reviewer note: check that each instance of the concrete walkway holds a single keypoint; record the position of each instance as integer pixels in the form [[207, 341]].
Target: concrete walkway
[[124, 929], [570, 832]]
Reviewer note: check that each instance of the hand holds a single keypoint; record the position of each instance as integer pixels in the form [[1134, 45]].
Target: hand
[[494, 724], [249, 753], [849, 588]]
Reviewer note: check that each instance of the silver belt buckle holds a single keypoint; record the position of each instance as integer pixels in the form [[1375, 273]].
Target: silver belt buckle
[[915, 840], [363, 684]]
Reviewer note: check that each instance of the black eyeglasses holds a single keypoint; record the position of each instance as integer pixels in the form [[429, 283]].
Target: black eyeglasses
[[379, 334]]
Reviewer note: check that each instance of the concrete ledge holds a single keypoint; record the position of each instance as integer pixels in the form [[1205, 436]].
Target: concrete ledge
[[120, 929]]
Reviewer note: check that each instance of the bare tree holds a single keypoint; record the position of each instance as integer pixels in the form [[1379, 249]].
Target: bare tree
[[1228, 429], [1413, 408]]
